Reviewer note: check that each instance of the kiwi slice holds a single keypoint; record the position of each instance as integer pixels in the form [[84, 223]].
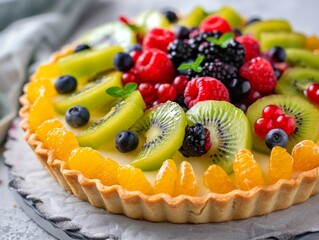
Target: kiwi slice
[[273, 25], [92, 95], [152, 19], [122, 116], [295, 80], [88, 63], [229, 130], [302, 58], [305, 114], [115, 33], [193, 18], [163, 127], [283, 39], [231, 15]]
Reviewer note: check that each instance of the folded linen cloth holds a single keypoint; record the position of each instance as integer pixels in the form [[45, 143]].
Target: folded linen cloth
[[30, 30]]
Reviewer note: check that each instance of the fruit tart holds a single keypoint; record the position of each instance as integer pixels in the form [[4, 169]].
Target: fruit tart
[[202, 117]]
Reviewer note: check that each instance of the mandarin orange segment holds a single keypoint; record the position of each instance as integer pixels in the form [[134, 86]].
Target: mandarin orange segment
[[247, 171], [47, 71], [305, 155], [280, 165], [186, 182], [62, 142], [42, 130], [36, 87], [40, 111], [312, 43], [166, 178], [133, 179], [217, 180], [107, 172]]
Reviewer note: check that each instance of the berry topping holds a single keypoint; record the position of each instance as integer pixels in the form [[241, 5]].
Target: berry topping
[[312, 92], [277, 54], [77, 116], [170, 15], [239, 88], [272, 112], [65, 84], [148, 92], [182, 32], [158, 38], [126, 141], [263, 126], [135, 47], [251, 46], [154, 66], [260, 74], [205, 88], [196, 141], [212, 23], [81, 47], [166, 92], [276, 137], [179, 51], [180, 83], [123, 62], [286, 123]]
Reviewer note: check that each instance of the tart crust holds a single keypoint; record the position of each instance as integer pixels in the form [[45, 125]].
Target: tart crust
[[211, 207]]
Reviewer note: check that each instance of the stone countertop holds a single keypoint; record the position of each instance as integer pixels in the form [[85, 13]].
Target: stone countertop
[[14, 223]]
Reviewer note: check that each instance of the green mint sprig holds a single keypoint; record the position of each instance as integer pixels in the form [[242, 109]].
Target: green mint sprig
[[118, 92], [223, 40], [195, 66]]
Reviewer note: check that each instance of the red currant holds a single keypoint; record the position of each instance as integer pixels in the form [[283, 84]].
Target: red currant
[[180, 83], [272, 111], [135, 55], [157, 102], [263, 126], [166, 92], [312, 92], [286, 123], [148, 92], [129, 77]]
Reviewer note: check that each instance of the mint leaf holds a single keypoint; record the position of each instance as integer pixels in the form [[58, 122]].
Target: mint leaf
[[198, 61], [129, 88], [195, 66], [115, 92], [213, 40], [184, 66], [225, 39], [198, 69]]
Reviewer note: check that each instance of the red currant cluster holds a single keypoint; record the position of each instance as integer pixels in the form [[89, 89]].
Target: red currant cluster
[[312, 93], [274, 117]]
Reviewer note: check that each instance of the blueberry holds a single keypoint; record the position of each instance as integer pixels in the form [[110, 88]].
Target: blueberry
[[252, 20], [277, 54], [77, 116], [65, 84], [81, 47], [170, 15], [241, 106], [123, 62], [237, 31], [135, 47], [126, 141], [276, 137], [277, 73], [182, 32], [239, 88]]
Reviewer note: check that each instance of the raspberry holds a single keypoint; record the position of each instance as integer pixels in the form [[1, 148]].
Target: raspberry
[[212, 23], [260, 74], [158, 38], [154, 66], [251, 46], [205, 88]]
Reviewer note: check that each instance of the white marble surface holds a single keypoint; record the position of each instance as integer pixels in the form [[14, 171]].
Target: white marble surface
[[303, 15]]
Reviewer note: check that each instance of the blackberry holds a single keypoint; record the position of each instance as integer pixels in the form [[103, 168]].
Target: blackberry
[[219, 70], [196, 141], [199, 39], [234, 54], [179, 51], [180, 101], [210, 51]]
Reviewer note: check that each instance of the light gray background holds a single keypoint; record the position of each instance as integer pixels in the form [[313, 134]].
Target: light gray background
[[303, 14]]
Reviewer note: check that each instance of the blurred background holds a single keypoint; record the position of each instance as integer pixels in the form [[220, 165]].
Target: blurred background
[[31, 29]]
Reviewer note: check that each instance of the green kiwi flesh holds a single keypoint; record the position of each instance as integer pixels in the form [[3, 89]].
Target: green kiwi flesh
[[231, 15], [305, 114], [88, 63], [193, 18], [282, 39], [92, 95], [163, 127], [295, 80], [152, 19], [123, 115], [273, 25], [302, 58], [229, 130], [115, 33]]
